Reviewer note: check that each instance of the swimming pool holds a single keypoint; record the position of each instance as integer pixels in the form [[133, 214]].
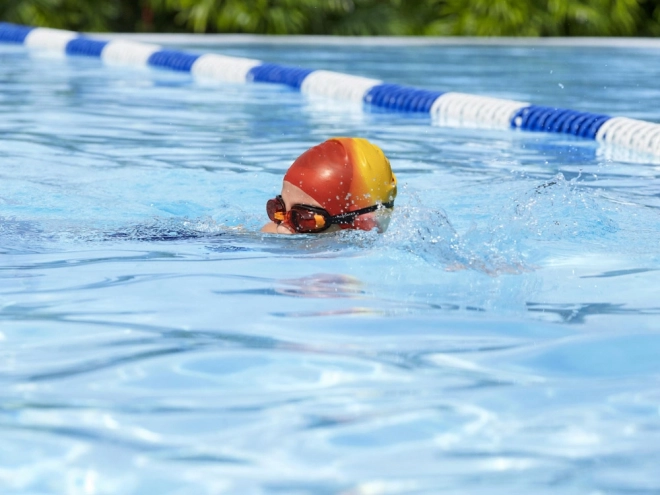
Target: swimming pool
[[501, 337]]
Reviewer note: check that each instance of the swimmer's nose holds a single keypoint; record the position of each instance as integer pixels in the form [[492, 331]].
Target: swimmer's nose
[[283, 228]]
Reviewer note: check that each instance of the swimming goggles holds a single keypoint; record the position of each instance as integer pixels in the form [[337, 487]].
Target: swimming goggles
[[306, 219]]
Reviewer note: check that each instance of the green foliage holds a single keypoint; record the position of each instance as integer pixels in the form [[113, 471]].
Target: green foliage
[[66, 14], [76, 15], [355, 17], [346, 17], [539, 18]]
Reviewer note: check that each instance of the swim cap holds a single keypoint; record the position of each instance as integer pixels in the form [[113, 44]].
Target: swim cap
[[344, 174]]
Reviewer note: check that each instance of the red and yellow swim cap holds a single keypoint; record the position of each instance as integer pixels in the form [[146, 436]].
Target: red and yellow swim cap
[[344, 174]]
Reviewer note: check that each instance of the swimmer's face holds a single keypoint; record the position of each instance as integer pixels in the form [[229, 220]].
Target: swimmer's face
[[342, 183], [293, 195]]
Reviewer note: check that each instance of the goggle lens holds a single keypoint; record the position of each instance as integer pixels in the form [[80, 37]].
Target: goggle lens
[[276, 209], [304, 220]]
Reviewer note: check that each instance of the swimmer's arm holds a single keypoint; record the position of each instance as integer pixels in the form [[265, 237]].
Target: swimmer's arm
[[270, 228]]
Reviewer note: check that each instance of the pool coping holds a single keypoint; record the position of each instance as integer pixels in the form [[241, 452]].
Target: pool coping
[[214, 39]]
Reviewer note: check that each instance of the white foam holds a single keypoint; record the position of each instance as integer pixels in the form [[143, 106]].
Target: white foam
[[475, 111], [122, 52], [54, 40], [631, 133], [338, 86], [223, 68]]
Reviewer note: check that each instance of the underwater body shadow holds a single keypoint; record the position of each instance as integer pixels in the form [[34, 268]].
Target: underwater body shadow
[[555, 211]]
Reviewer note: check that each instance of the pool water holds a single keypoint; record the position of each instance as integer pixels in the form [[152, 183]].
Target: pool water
[[502, 337]]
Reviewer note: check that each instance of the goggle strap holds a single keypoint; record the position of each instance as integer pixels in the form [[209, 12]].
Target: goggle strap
[[351, 215]]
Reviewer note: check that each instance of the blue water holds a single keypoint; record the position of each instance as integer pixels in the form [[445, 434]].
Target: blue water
[[503, 337]]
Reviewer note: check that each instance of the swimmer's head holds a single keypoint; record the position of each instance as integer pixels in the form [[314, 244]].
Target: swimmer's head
[[344, 175]]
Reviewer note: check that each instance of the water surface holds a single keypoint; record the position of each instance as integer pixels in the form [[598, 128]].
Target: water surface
[[502, 337]]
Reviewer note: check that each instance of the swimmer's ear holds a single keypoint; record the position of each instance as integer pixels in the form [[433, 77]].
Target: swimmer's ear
[[383, 218], [378, 220]]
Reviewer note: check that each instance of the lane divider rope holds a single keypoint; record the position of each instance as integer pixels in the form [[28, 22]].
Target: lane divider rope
[[445, 108]]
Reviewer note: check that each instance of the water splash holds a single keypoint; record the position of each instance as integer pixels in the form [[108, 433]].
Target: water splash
[[428, 234], [558, 210]]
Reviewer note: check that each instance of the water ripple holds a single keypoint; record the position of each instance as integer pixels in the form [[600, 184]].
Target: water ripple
[[500, 337]]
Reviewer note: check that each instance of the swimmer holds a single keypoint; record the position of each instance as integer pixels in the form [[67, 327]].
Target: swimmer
[[343, 183]]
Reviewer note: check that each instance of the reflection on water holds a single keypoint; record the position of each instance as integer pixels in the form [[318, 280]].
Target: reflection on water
[[501, 337], [578, 313], [322, 285], [315, 286]]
